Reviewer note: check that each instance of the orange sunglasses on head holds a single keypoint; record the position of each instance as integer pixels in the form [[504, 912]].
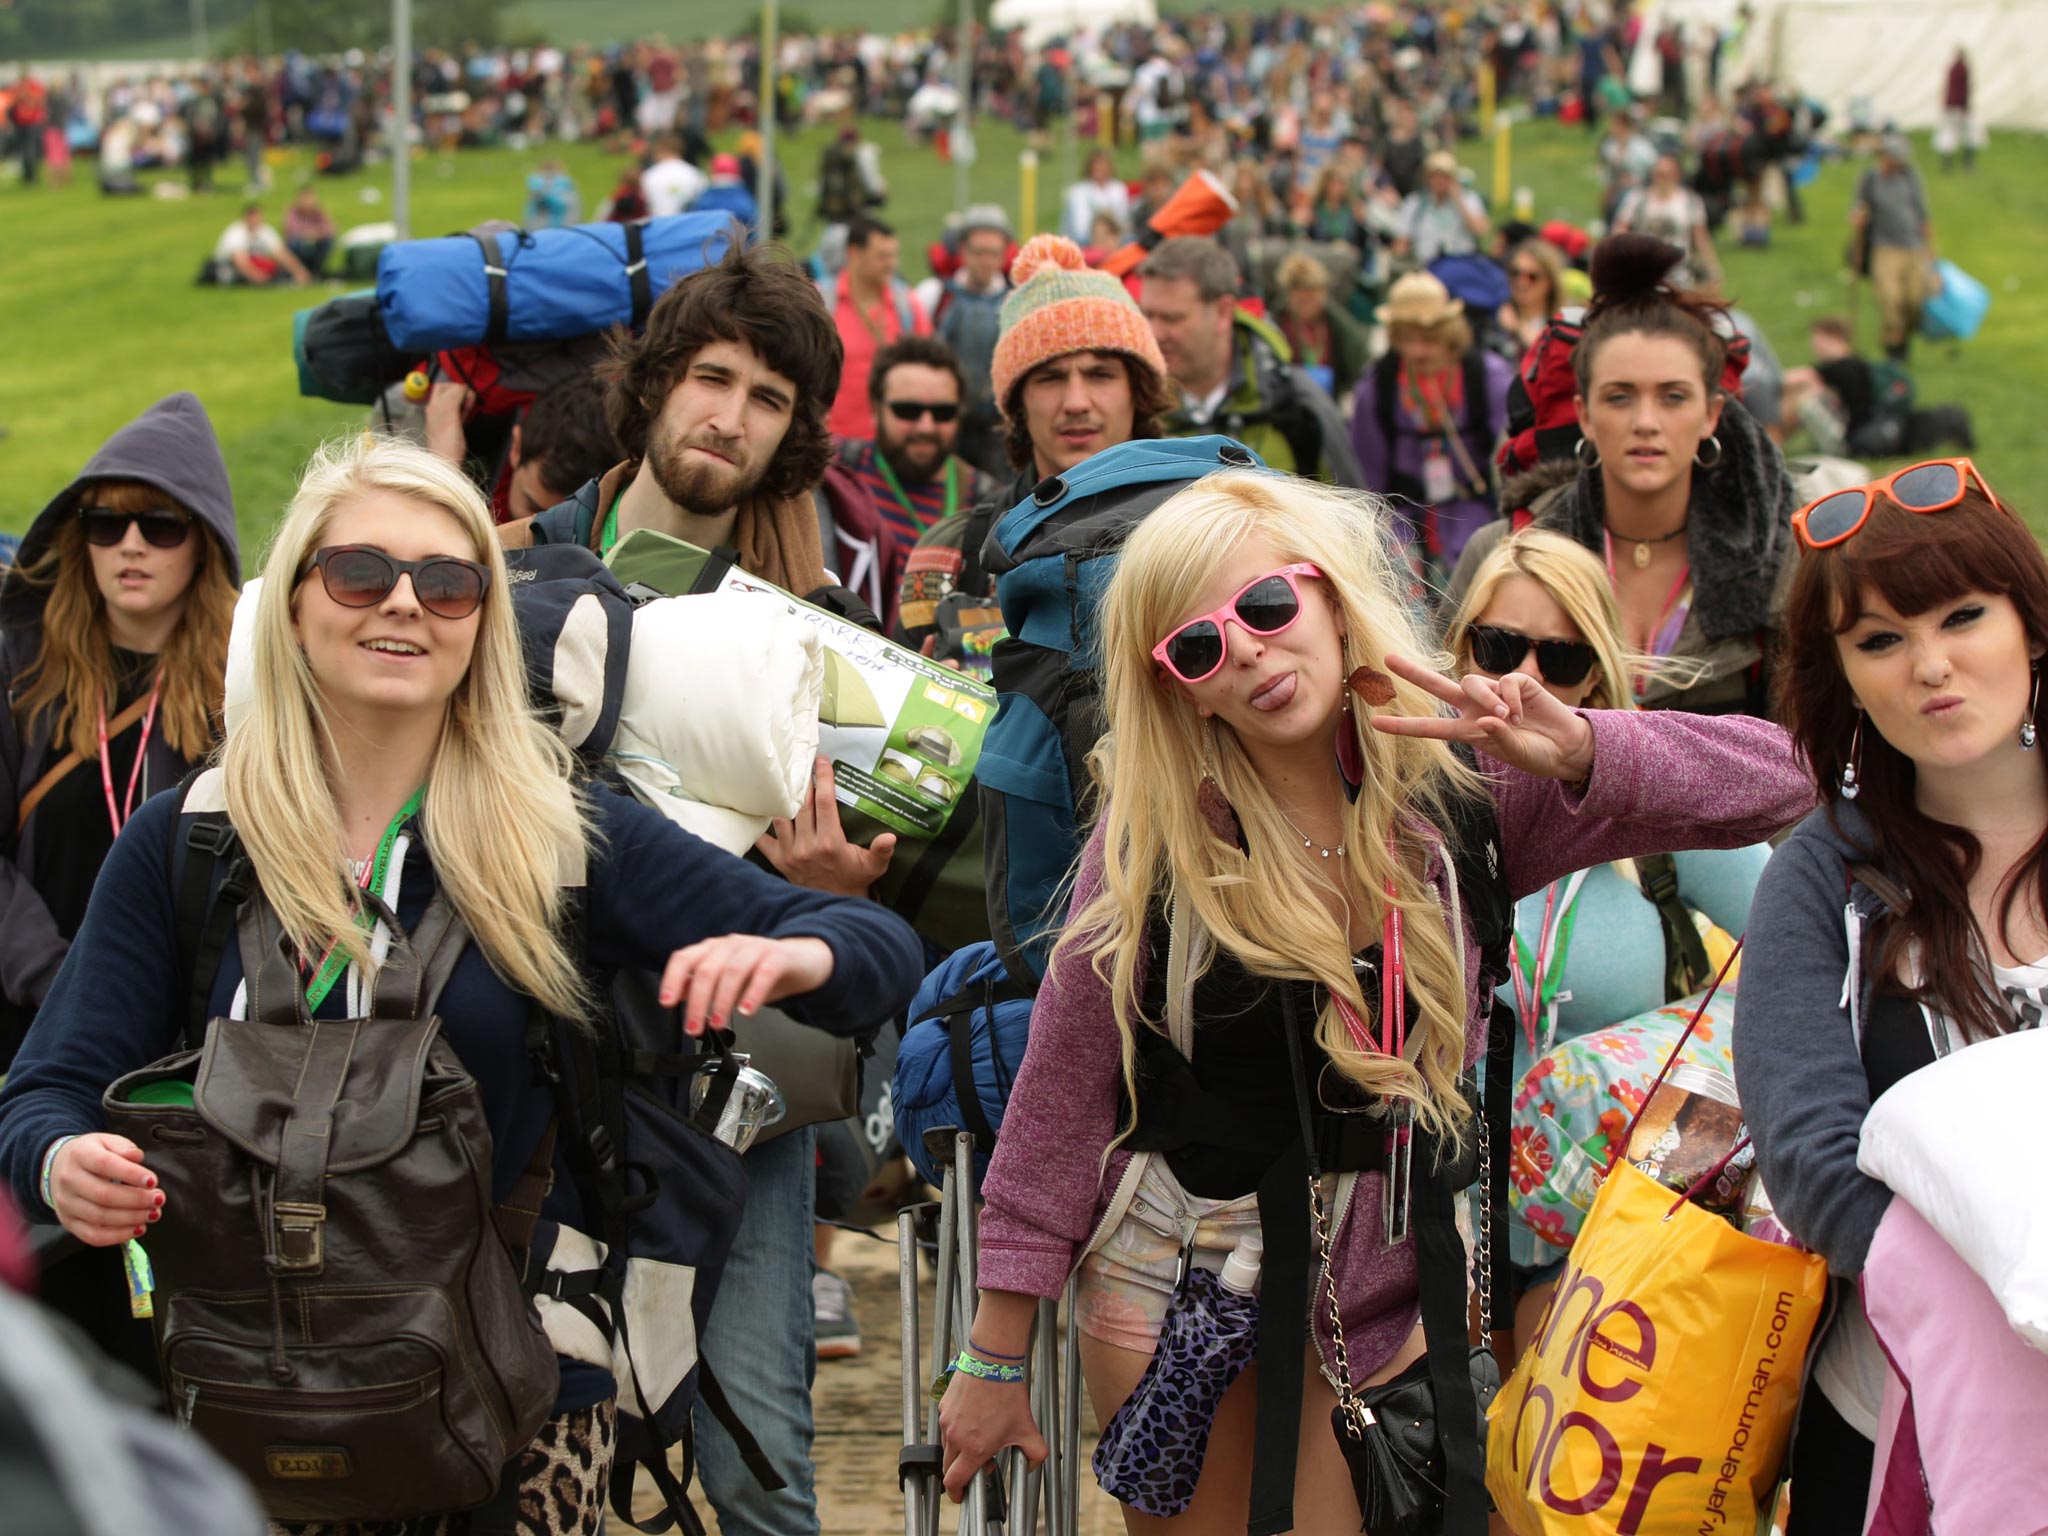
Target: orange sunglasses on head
[[1933, 486]]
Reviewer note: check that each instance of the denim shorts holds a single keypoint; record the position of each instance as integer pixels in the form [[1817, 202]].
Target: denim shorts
[[1126, 1283]]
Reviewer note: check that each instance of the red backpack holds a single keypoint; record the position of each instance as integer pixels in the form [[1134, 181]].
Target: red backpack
[[1543, 422]]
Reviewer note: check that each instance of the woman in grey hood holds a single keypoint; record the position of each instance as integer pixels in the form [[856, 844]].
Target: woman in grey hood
[[113, 646], [1908, 917]]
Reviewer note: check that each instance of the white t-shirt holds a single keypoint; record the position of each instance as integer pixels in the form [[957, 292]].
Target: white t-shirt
[[1851, 1370], [670, 186], [236, 240]]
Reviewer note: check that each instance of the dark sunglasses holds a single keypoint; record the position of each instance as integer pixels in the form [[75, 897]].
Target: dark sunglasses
[[910, 410], [1195, 651], [1526, 274], [1498, 651], [161, 530], [358, 576], [1934, 486]]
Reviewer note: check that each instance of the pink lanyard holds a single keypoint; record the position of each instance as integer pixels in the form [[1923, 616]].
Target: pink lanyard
[[117, 815], [1393, 994], [1524, 1004], [1664, 634]]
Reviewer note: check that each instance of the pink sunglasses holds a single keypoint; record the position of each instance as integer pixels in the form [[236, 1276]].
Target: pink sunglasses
[[1194, 652]]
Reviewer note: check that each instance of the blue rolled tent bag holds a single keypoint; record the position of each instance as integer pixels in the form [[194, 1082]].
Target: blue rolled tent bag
[[1957, 312], [486, 287]]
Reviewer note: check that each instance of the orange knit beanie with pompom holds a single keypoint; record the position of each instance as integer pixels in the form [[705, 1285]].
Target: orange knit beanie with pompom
[[1060, 305]]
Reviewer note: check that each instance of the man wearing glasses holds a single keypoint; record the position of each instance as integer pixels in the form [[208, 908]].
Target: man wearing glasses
[[911, 466]]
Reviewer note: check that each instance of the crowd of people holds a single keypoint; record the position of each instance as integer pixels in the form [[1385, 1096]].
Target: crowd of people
[[1512, 541]]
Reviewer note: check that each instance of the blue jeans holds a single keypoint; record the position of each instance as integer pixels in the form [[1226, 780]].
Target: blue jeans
[[761, 1345]]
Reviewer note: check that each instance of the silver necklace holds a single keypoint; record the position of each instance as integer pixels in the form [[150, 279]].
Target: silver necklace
[[1309, 842]]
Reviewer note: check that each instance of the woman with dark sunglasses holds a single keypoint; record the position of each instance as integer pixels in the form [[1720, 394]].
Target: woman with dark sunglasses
[[390, 751], [1535, 292], [1266, 926], [1905, 920], [113, 647], [1675, 487], [1592, 947]]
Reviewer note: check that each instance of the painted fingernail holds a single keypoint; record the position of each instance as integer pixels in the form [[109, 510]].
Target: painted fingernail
[[718, 1021], [140, 1230], [150, 1182], [153, 1215], [747, 1010], [159, 1200]]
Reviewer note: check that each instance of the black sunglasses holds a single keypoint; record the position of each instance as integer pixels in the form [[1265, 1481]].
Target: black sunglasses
[[161, 530], [359, 576], [910, 410], [1499, 651]]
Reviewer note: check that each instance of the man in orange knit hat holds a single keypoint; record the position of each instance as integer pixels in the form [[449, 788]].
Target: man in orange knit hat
[[1076, 370]]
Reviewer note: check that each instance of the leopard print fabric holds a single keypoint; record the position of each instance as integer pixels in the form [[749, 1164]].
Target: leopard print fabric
[[562, 1476]]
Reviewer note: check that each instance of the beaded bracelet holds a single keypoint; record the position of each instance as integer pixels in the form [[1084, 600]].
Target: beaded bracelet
[[49, 1165], [983, 1370], [993, 1354]]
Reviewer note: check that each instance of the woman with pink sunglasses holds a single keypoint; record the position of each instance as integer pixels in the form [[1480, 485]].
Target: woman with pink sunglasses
[[1263, 1011]]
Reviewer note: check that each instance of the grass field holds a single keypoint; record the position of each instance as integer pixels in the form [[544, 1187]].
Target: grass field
[[100, 316]]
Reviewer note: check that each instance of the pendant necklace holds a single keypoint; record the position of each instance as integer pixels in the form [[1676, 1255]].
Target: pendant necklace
[[1309, 842], [1642, 546]]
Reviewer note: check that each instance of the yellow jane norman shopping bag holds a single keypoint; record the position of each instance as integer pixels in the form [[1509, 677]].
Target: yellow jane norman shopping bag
[[1657, 1397]]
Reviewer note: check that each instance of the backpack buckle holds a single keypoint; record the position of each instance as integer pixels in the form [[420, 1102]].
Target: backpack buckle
[[1049, 490], [298, 1237], [213, 838]]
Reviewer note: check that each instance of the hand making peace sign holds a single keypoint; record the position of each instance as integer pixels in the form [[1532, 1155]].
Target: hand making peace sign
[[1512, 718]]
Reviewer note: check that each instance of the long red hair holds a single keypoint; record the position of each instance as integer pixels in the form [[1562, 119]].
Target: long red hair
[[1914, 562], [72, 673]]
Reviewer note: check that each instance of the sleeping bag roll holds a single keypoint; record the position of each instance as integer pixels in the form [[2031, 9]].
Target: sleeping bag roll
[[538, 285]]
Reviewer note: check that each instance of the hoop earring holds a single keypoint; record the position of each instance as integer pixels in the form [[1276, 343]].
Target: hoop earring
[[1700, 458], [1579, 452], [1851, 780], [2028, 735]]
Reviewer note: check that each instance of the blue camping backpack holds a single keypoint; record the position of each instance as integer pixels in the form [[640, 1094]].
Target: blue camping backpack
[[1052, 556], [968, 1025]]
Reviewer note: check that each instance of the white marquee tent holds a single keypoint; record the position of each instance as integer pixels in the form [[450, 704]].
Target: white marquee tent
[[1895, 53]]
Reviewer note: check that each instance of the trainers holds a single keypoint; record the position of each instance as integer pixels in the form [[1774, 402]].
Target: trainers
[[832, 1314]]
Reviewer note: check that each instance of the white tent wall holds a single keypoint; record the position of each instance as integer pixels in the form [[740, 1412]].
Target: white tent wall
[[1044, 20], [1897, 54]]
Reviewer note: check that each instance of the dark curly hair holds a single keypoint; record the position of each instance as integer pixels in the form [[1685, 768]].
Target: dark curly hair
[[1150, 404], [762, 299]]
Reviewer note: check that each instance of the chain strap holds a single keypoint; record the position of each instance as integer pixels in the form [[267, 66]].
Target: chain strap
[[1356, 1415], [1485, 1232]]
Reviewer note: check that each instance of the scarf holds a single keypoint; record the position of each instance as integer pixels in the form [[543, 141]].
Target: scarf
[[1738, 528]]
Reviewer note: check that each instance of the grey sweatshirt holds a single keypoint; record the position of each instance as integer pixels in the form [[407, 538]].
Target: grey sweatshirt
[[1806, 990]]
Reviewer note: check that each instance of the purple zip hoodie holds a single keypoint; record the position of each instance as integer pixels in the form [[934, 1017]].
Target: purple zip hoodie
[[1660, 781]]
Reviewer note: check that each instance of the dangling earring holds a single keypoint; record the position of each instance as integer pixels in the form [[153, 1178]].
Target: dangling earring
[[1579, 452], [1350, 755], [1851, 788], [1217, 811], [1700, 455], [2027, 733]]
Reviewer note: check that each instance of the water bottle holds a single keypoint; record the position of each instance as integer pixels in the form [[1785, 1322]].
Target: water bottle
[[1150, 1455]]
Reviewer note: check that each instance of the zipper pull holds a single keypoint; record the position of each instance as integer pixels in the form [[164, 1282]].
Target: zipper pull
[[187, 1404]]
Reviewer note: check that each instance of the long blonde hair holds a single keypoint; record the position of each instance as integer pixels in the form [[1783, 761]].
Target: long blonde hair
[[500, 815], [1270, 913], [1576, 582], [71, 678]]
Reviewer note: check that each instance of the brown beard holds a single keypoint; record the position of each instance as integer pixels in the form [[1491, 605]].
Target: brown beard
[[696, 485], [898, 457]]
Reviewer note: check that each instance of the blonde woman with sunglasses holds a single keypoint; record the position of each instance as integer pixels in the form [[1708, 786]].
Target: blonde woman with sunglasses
[[390, 748], [1590, 948], [1269, 869]]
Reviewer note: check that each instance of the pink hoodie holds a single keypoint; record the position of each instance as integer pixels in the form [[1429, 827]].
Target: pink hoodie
[[1661, 780]]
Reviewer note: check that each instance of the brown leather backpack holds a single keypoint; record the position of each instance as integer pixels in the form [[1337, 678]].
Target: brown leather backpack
[[338, 1309]]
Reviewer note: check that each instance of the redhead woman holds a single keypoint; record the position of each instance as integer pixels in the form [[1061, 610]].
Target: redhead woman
[[390, 753], [1907, 919], [113, 645], [1271, 876]]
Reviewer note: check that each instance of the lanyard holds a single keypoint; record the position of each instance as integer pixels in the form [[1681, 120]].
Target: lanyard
[[1662, 634], [1542, 974], [610, 536], [917, 518], [117, 815], [335, 962], [1393, 993]]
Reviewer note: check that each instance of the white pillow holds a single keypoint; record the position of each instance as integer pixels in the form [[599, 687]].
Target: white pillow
[[719, 726], [1960, 1142], [718, 729]]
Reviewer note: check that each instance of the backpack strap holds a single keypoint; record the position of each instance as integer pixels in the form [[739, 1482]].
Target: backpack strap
[[494, 272], [958, 1011], [1686, 966], [1882, 886], [205, 916], [1386, 379], [636, 274]]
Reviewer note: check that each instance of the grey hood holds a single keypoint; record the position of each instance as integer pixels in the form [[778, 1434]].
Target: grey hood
[[170, 446]]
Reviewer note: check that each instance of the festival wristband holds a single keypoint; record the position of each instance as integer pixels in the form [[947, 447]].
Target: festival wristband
[[992, 1354], [49, 1165], [985, 1370]]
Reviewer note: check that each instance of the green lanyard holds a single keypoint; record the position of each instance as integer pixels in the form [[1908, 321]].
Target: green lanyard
[[610, 536], [1543, 1005], [917, 519], [336, 960]]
